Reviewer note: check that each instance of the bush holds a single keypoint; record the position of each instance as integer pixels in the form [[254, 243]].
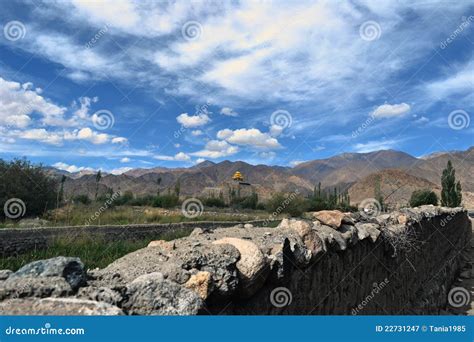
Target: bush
[[214, 202], [84, 199], [166, 201], [292, 204], [423, 197], [19, 179], [142, 201], [126, 198]]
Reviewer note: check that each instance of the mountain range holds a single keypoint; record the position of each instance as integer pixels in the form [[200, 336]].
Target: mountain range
[[398, 172]]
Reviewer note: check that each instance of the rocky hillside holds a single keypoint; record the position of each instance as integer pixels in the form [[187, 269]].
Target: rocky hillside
[[344, 171]]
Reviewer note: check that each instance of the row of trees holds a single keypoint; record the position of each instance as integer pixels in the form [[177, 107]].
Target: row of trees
[[22, 180]]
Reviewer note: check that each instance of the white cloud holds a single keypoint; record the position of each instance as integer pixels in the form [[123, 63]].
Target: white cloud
[[296, 162], [249, 137], [125, 160], [376, 145], [276, 130], [189, 121], [119, 140], [180, 156], [120, 170], [200, 160], [216, 149], [228, 112], [18, 102], [460, 82], [389, 111], [71, 168], [197, 132]]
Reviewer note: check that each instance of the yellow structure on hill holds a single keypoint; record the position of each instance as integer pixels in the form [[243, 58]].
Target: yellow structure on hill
[[238, 177]]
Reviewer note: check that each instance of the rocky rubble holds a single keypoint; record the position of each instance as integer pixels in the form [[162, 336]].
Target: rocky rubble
[[189, 276]]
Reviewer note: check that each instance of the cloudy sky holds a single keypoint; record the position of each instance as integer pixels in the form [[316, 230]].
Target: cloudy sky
[[121, 84]]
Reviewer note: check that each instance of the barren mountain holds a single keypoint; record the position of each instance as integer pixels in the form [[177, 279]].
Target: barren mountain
[[344, 170]]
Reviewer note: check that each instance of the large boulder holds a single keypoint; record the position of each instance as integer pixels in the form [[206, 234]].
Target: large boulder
[[4, 274], [41, 287], [100, 294], [309, 236], [253, 267], [71, 269], [57, 307], [152, 294], [331, 218]]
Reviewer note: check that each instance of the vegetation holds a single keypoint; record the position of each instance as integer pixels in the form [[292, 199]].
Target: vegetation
[[325, 200], [93, 251], [292, 204], [451, 190], [423, 197], [28, 183]]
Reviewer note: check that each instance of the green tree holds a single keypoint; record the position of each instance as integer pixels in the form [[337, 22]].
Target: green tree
[[19, 179], [158, 182], [451, 190], [61, 191], [98, 177], [423, 197]]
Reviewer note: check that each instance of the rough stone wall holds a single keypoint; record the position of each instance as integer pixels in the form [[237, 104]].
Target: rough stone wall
[[20, 240], [399, 263]]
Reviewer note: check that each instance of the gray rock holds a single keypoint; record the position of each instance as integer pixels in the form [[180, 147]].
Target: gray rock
[[58, 307], [41, 287], [252, 266], [100, 294], [71, 269], [365, 230], [151, 294], [248, 225], [4, 274]]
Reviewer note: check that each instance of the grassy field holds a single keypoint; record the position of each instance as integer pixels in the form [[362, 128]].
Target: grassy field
[[79, 215], [94, 252]]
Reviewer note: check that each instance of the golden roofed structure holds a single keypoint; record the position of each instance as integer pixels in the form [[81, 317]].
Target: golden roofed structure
[[238, 177]]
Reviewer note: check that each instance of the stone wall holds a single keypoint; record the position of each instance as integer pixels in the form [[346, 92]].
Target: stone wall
[[19, 240], [404, 262]]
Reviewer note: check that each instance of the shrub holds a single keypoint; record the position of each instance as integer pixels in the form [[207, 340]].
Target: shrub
[[423, 197], [166, 201], [214, 202], [292, 204], [84, 199], [142, 201], [126, 198]]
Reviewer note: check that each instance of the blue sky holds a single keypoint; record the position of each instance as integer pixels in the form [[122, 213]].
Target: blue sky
[[122, 84]]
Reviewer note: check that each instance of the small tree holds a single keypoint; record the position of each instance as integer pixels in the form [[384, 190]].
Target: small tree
[[451, 190], [423, 197], [98, 177]]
